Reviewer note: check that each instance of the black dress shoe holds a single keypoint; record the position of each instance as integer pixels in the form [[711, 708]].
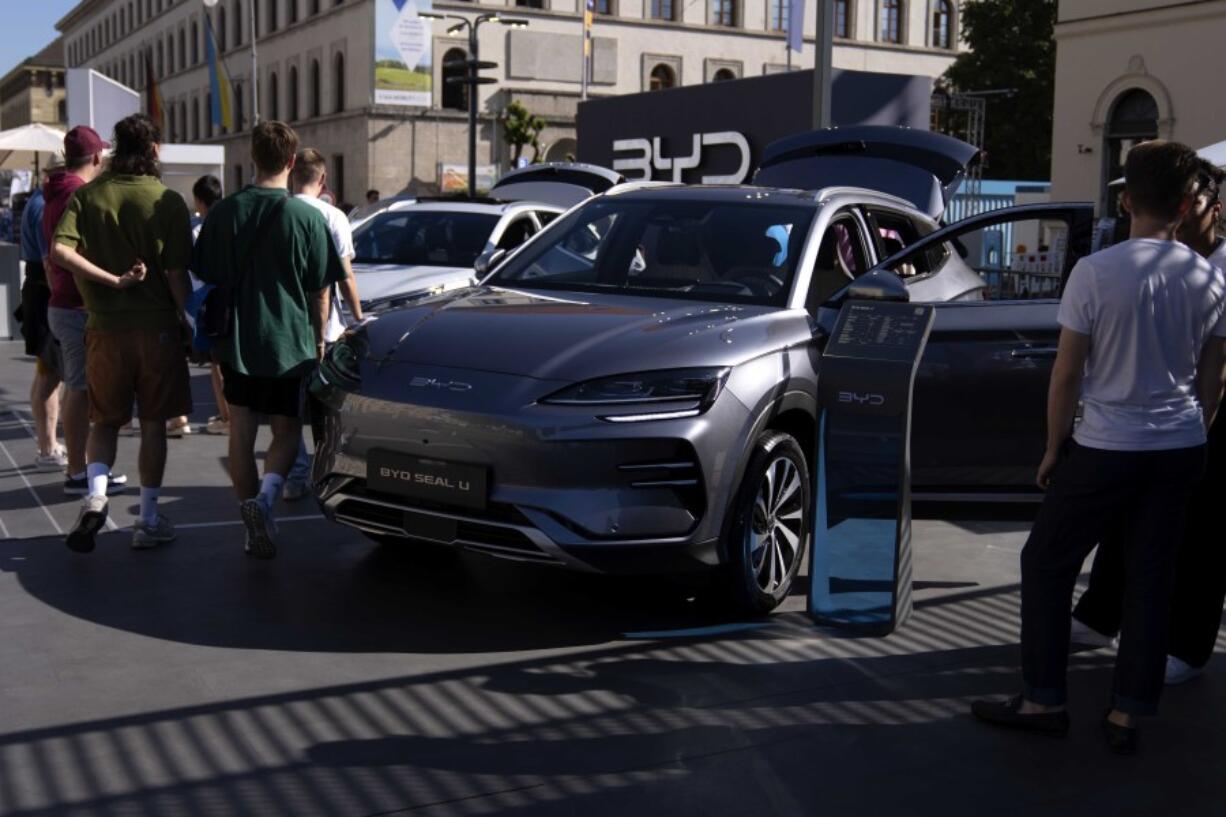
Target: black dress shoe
[[1122, 740], [1007, 714]]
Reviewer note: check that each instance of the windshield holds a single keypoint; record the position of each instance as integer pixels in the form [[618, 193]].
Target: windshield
[[436, 238], [704, 250]]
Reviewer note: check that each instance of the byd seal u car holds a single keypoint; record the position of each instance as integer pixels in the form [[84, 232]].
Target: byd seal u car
[[633, 389]]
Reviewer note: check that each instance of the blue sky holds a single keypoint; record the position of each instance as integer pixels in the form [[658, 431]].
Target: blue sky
[[28, 26]]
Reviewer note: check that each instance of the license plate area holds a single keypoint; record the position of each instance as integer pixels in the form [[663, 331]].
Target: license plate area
[[447, 483]]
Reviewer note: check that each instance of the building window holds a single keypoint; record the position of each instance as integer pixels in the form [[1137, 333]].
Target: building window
[[942, 24], [890, 30], [455, 94], [842, 19], [195, 119], [274, 97], [338, 78], [662, 10], [238, 23], [777, 19], [1133, 120], [182, 48], [338, 178], [293, 11], [662, 78], [161, 60], [272, 15], [723, 75], [723, 12], [238, 108], [195, 44], [208, 114], [314, 7], [604, 7], [221, 29], [313, 90], [61, 111], [293, 94], [530, 4]]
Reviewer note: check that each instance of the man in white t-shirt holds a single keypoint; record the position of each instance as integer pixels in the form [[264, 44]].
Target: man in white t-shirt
[[1143, 346], [309, 179]]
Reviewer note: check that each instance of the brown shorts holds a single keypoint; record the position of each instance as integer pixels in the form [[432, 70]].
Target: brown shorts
[[147, 366]]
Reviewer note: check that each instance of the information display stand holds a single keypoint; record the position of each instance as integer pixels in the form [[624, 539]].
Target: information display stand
[[860, 551]]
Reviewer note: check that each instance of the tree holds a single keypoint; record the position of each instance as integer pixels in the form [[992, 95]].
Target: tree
[[1011, 48], [522, 129]]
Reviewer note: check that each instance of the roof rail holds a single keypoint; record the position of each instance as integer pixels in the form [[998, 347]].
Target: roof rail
[[823, 193]]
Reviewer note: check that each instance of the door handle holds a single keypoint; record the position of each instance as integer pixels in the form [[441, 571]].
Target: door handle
[[1034, 352]]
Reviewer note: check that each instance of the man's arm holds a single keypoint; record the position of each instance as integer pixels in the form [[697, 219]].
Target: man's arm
[[349, 290], [82, 269], [1211, 377], [1062, 394], [180, 288], [321, 304]]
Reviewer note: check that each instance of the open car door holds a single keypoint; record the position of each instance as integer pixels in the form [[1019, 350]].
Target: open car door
[[979, 413], [562, 184]]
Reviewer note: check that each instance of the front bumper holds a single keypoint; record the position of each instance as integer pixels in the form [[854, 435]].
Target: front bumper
[[566, 489]]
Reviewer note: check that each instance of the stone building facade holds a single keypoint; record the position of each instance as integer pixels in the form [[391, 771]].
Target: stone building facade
[[34, 90], [316, 67]]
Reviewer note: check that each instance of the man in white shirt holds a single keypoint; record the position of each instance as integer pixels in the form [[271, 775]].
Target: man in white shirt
[[1143, 345], [309, 180]]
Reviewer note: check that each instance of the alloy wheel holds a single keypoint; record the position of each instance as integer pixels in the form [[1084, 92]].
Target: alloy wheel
[[775, 532]]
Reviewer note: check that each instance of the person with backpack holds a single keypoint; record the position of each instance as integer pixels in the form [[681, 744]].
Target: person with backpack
[[273, 264]]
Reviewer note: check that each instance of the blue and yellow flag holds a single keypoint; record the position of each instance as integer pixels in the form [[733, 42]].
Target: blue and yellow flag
[[222, 93]]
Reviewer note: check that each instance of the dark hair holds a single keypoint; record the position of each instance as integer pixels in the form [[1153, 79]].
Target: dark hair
[[370, 193], [309, 167], [208, 190], [1159, 176], [273, 145], [135, 154]]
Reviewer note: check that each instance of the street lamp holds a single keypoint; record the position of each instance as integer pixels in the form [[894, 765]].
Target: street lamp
[[472, 77]]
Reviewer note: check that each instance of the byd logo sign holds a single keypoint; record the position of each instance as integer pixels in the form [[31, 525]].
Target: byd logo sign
[[859, 399], [647, 158]]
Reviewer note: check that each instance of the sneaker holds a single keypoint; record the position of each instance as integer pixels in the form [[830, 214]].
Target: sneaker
[[259, 529], [294, 491], [217, 425], [89, 522], [146, 536], [1179, 671], [57, 460], [80, 487], [178, 432], [1086, 636]]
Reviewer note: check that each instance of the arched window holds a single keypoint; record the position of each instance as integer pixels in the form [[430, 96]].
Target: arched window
[[313, 91], [238, 107], [222, 42], [1133, 120], [195, 44], [662, 78], [890, 19], [292, 11], [208, 114], [273, 22], [943, 24], [338, 80], [238, 23], [170, 53], [455, 95], [274, 97], [723, 75], [195, 119], [842, 19], [293, 94], [161, 60], [183, 48]]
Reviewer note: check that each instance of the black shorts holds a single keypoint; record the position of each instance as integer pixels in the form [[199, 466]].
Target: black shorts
[[39, 342], [263, 395]]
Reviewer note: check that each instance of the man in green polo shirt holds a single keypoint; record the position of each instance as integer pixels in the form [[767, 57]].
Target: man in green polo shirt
[[276, 254], [126, 239]]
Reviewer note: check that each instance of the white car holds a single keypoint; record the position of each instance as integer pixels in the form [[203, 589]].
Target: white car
[[413, 247]]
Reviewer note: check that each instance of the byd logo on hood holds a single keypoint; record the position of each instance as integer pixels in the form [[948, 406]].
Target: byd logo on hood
[[648, 157], [869, 399]]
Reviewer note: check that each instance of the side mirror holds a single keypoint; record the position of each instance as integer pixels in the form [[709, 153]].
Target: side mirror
[[488, 261], [877, 285]]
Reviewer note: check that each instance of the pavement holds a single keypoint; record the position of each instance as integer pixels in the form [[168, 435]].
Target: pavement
[[349, 678]]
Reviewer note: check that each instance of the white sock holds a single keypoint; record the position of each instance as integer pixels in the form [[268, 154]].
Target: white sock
[[97, 474], [270, 490], [149, 505]]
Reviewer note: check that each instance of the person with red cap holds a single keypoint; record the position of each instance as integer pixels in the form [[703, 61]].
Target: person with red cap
[[66, 315]]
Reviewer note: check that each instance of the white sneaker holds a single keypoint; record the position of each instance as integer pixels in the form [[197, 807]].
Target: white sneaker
[[1179, 671], [1085, 635], [57, 460]]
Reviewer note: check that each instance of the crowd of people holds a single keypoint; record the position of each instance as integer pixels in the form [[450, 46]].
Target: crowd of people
[[119, 274]]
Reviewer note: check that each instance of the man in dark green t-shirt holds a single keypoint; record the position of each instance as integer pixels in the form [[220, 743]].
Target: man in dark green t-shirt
[[277, 256], [126, 239]]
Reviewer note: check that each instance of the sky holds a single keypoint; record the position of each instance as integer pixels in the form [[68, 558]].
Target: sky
[[28, 26]]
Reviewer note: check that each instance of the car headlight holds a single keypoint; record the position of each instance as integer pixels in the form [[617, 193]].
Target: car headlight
[[645, 396], [342, 364]]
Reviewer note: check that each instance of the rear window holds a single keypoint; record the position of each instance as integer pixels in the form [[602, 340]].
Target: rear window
[[895, 232]]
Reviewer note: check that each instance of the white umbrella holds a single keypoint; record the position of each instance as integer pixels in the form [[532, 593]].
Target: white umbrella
[[34, 139]]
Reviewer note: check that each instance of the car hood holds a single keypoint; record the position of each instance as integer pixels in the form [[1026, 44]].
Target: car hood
[[381, 280], [577, 336]]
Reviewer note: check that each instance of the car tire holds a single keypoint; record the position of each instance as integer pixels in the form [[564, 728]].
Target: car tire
[[765, 518]]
